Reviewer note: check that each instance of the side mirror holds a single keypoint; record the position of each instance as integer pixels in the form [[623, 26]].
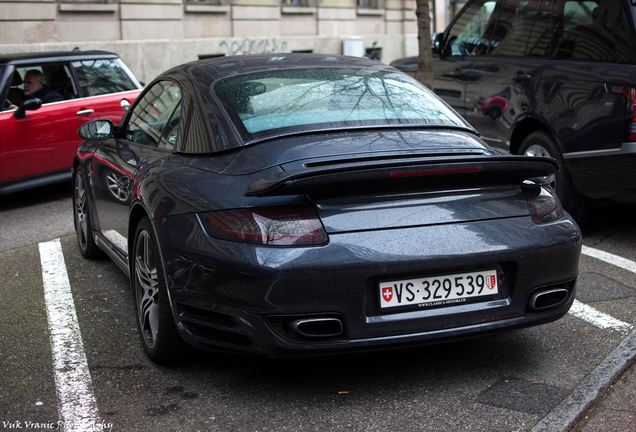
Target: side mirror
[[438, 43], [96, 130], [28, 105]]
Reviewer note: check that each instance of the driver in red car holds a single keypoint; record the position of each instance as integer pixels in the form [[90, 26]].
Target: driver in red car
[[34, 87]]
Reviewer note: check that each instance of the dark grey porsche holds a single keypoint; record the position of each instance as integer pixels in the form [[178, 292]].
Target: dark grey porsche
[[305, 204]]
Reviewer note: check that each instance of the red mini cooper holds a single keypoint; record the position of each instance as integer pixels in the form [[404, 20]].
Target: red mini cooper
[[39, 118]]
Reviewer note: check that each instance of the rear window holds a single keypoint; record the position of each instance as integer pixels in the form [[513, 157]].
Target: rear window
[[281, 102], [104, 76]]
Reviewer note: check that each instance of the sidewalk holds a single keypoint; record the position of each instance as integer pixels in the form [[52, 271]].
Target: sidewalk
[[604, 401], [616, 410]]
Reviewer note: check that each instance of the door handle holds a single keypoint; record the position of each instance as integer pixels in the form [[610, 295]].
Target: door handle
[[521, 77], [85, 111]]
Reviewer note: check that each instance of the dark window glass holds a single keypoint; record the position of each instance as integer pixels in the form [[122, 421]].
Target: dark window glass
[[57, 84], [282, 102], [593, 30], [9, 83], [470, 33], [521, 28], [155, 119]]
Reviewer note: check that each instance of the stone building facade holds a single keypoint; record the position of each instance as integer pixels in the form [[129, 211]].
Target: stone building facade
[[154, 35]]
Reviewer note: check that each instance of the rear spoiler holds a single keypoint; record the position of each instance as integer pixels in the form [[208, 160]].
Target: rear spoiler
[[398, 176]]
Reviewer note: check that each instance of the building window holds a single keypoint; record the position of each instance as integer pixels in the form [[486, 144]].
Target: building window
[[371, 4], [295, 2], [207, 2], [90, 1]]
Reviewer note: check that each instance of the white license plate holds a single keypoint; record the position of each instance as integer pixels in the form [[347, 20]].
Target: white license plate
[[438, 290]]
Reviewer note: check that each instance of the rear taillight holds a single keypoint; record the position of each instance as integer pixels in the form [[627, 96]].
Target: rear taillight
[[544, 205], [630, 95], [287, 226]]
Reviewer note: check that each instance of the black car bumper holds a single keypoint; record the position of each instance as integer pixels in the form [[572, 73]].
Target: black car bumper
[[228, 295], [605, 173]]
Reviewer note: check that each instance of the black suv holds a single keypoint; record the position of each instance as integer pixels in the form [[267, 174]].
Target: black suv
[[548, 77]]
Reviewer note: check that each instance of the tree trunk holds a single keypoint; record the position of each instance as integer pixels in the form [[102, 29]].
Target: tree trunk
[[425, 59]]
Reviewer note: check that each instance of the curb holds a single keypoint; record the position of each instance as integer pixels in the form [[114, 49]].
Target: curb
[[568, 413]]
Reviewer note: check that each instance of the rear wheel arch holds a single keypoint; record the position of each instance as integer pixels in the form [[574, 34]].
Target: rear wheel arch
[[137, 214], [541, 142], [153, 308], [525, 128]]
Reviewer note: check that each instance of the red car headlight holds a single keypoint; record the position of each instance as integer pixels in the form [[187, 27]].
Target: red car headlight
[[544, 205], [285, 226]]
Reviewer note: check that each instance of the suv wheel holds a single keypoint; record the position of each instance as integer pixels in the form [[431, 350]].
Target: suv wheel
[[540, 143]]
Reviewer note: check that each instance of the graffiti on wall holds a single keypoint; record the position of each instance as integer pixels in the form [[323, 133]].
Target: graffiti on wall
[[251, 46]]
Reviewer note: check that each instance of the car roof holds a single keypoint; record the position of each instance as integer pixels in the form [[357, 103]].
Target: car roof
[[17, 58], [221, 67], [196, 80]]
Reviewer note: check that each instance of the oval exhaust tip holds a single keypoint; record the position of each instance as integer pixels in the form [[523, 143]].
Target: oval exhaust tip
[[548, 298], [317, 327]]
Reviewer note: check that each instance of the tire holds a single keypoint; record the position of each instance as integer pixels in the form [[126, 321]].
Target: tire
[[155, 322], [81, 218], [540, 143]]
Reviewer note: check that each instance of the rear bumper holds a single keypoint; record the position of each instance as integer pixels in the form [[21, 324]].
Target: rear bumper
[[604, 173], [237, 297], [269, 343]]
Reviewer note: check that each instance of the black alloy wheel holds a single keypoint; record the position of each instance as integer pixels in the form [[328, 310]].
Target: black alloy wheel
[[82, 220], [155, 322]]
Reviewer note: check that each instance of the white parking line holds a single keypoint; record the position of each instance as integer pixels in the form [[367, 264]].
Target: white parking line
[[77, 406], [598, 318], [610, 258], [588, 313]]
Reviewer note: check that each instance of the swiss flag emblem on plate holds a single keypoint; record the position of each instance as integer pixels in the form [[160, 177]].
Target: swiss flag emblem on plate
[[387, 293]]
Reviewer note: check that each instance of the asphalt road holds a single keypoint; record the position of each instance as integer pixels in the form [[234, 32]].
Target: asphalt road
[[506, 382]]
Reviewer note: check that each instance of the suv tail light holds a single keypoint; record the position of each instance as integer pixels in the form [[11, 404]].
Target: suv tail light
[[544, 205], [630, 95], [285, 226]]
